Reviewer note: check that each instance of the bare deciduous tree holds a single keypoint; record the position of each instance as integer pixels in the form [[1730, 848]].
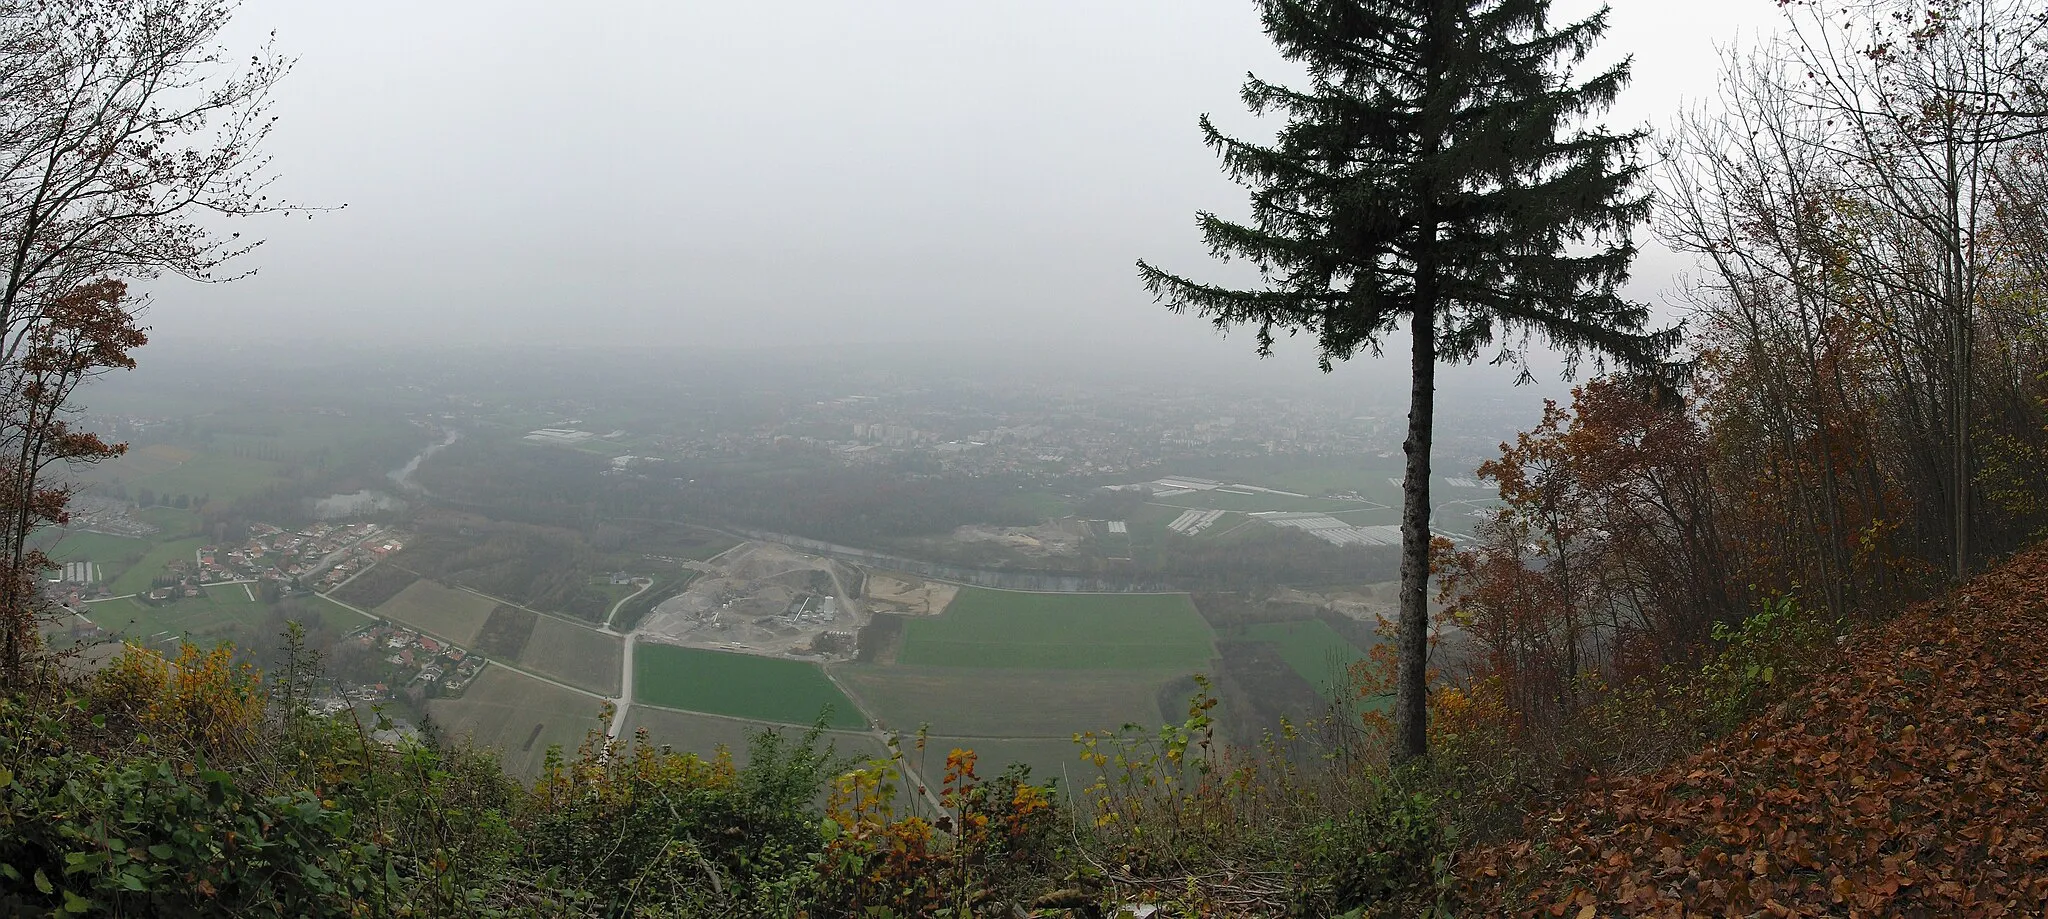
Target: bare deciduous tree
[[125, 132]]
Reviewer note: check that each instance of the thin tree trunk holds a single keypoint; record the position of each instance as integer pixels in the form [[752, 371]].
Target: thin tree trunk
[[1411, 739]]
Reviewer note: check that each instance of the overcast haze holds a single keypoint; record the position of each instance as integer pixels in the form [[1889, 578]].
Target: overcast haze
[[763, 173]]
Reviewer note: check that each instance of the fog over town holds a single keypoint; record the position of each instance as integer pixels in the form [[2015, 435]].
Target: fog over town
[[1046, 460], [759, 175]]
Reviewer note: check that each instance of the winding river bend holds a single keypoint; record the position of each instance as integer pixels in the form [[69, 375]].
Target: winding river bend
[[403, 475], [371, 500]]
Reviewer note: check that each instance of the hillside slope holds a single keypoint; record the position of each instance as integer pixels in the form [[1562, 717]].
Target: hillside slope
[[1909, 780]]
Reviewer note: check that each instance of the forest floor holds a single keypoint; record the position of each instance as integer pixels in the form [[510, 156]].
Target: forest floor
[[1910, 779]]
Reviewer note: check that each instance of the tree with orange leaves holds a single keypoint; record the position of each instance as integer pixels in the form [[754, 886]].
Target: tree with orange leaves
[[121, 132], [1605, 553]]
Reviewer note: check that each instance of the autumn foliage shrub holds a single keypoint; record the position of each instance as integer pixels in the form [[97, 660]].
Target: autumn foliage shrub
[[659, 830], [987, 839], [1312, 822], [202, 701]]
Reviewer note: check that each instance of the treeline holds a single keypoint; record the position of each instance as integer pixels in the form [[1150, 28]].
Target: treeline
[[541, 567], [856, 506], [510, 479], [1869, 209]]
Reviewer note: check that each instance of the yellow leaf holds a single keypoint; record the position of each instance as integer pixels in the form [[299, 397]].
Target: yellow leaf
[[1587, 912]]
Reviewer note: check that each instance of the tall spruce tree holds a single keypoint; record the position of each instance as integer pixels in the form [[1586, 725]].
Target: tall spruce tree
[[1434, 170]]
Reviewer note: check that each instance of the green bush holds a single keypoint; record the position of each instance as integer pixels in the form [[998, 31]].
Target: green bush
[[84, 834], [1761, 659]]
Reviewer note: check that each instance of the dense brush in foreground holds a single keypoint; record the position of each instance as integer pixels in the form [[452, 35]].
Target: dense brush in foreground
[[1898, 771], [191, 787]]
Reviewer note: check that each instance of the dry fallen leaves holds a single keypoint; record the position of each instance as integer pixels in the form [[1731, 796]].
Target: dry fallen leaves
[[1909, 780]]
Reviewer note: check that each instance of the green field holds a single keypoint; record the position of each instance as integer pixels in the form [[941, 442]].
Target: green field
[[1049, 758], [518, 716], [214, 475], [690, 732], [110, 553], [1310, 648], [1005, 703], [99, 547], [225, 608], [1017, 630], [739, 685], [1044, 504], [139, 462], [711, 548], [455, 615], [574, 654], [170, 520], [136, 579]]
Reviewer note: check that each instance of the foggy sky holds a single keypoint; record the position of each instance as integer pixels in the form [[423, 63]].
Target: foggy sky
[[804, 171]]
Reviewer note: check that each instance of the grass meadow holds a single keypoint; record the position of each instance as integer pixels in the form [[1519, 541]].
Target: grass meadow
[[216, 476], [574, 654], [136, 579], [1032, 631], [691, 732], [108, 551], [1310, 648], [739, 685], [455, 615], [224, 608], [1005, 703], [518, 716]]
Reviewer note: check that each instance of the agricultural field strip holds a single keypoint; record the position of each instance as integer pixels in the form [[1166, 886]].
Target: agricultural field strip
[[576, 654], [558, 617], [736, 719], [983, 620], [868, 718], [491, 661], [205, 584], [690, 686]]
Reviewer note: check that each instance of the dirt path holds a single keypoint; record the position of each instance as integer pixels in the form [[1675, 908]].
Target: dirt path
[[614, 613], [625, 700], [881, 737]]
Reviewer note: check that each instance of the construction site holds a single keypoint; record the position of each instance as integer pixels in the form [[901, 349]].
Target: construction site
[[763, 598]]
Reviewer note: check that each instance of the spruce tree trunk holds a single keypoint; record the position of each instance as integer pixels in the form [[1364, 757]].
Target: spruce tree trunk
[[1411, 739]]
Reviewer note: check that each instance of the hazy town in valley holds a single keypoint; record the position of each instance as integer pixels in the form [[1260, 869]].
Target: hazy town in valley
[[1220, 458]]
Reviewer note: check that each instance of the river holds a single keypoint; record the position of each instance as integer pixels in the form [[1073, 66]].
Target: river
[[402, 476], [370, 500]]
